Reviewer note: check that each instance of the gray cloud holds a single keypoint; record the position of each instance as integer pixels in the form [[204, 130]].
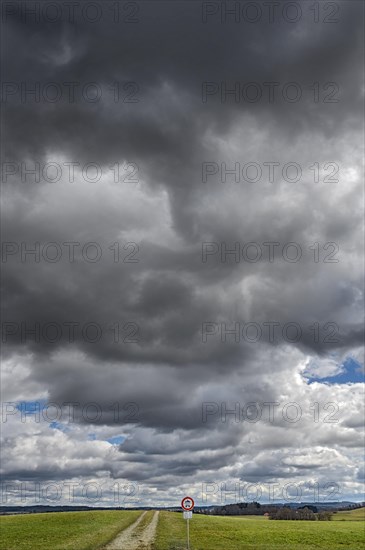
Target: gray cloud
[[164, 300]]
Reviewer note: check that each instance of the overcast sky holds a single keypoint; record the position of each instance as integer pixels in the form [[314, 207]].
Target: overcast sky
[[190, 184]]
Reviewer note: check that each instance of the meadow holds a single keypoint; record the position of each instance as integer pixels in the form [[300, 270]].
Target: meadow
[[92, 530], [259, 533], [63, 530], [350, 515]]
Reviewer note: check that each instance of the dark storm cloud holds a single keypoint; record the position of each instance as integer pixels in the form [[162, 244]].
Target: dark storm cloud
[[170, 83]]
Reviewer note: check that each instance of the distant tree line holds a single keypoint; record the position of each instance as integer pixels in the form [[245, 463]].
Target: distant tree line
[[239, 509], [309, 512], [354, 506], [305, 513]]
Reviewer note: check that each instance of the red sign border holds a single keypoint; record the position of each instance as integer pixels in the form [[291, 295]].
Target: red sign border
[[191, 507]]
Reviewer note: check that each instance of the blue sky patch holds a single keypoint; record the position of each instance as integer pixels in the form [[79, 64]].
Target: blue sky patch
[[351, 373], [59, 426], [31, 407], [116, 440]]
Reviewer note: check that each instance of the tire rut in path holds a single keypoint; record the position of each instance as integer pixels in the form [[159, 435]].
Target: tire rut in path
[[134, 539]]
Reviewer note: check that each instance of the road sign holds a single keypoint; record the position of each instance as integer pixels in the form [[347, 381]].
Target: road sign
[[187, 504]]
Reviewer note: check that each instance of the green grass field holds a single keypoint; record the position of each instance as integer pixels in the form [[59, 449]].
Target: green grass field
[[92, 530], [351, 515], [63, 531], [258, 533]]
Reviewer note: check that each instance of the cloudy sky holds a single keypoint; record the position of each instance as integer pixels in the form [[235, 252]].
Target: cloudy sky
[[183, 252]]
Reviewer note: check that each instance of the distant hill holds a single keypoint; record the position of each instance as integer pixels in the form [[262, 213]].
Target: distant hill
[[251, 508], [258, 509], [39, 509]]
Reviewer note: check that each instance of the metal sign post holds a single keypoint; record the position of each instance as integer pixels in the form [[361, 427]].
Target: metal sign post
[[187, 505], [188, 515], [187, 526]]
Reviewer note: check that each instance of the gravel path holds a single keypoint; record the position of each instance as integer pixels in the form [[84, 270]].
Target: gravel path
[[134, 539]]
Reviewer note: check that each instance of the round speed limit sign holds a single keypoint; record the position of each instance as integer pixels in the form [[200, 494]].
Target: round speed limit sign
[[187, 504]]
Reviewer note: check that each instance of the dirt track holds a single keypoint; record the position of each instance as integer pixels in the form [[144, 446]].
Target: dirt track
[[136, 537]]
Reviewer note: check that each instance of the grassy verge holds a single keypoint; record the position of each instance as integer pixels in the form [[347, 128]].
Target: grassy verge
[[63, 531]]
